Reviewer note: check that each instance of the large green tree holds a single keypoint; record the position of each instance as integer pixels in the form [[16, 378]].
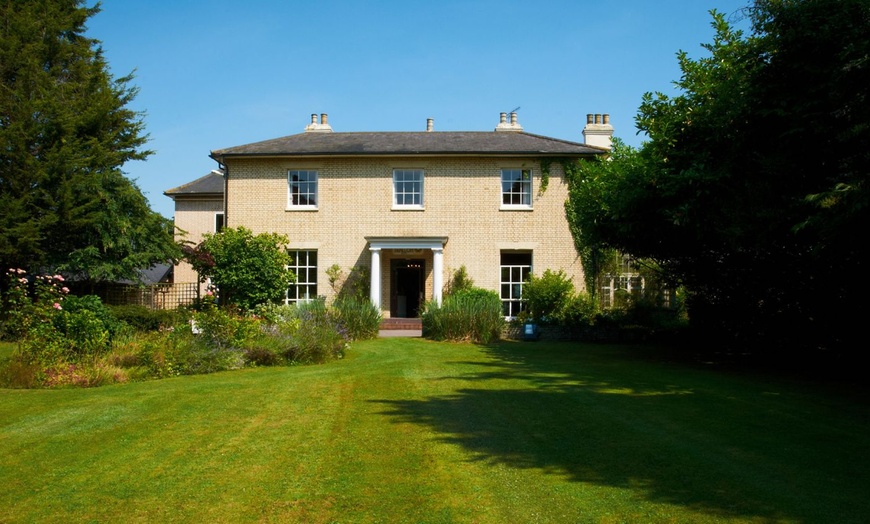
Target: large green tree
[[752, 188], [65, 132]]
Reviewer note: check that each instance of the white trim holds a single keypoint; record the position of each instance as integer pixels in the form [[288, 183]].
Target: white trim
[[303, 207], [422, 182]]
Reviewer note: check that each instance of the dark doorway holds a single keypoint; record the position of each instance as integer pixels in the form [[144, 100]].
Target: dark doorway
[[406, 288]]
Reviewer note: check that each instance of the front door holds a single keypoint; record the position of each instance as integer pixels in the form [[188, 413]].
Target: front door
[[407, 288]]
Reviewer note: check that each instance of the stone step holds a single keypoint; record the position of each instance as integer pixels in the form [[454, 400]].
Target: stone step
[[401, 323]]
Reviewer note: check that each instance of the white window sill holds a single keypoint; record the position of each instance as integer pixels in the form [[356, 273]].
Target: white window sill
[[301, 208], [408, 208], [515, 208]]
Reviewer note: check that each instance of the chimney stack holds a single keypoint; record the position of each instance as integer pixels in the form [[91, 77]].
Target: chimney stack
[[598, 131], [318, 127], [504, 125]]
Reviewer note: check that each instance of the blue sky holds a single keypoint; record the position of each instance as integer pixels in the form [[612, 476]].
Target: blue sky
[[215, 74]]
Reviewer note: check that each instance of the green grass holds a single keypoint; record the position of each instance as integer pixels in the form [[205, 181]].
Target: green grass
[[405, 430]]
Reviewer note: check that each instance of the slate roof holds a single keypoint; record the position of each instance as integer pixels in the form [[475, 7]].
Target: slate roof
[[436, 143], [211, 184]]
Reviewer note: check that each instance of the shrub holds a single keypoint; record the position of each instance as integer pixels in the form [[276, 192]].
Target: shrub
[[247, 269], [581, 310], [99, 312], [459, 281], [141, 318], [359, 317], [262, 355], [473, 314], [548, 295], [318, 336]]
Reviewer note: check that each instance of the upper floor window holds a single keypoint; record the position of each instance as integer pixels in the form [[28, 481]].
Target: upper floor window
[[219, 222], [302, 189], [408, 188], [516, 188]]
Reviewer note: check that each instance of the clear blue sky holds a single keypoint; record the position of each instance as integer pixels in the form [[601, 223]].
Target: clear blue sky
[[216, 73]]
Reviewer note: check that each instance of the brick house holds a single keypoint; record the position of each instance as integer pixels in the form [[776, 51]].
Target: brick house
[[410, 207], [199, 209]]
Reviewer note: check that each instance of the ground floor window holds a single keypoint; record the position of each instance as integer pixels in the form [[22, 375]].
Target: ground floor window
[[515, 269], [304, 266]]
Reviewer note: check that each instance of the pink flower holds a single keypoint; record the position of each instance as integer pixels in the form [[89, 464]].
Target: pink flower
[[65, 289], [22, 280], [57, 306], [58, 278], [20, 271]]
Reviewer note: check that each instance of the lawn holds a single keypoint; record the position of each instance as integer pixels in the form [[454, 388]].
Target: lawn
[[407, 430]]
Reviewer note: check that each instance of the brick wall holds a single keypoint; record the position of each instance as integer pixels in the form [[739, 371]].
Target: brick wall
[[462, 200], [195, 216]]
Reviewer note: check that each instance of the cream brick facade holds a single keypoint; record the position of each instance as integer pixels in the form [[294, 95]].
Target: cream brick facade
[[197, 206], [461, 202], [194, 217]]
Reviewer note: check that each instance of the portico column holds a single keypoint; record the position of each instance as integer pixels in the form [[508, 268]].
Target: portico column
[[376, 277], [437, 273]]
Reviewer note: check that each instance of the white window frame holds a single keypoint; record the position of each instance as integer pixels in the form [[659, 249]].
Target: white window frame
[[290, 184], [527, 183], [404, 172], [309, 287], [220, 224], [513, 302]]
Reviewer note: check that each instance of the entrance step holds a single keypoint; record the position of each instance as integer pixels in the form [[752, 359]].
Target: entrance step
[[402, 324]]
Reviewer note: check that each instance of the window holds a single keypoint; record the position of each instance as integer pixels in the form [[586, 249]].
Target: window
[[302, 188], [304, 266], [516, 188], [408, 188], [218, 222], [515, 269]]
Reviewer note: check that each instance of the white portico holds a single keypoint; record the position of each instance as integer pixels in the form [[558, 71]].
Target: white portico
[[406, 278]]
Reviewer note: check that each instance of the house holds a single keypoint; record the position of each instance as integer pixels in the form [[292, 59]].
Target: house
[[199, 209], [409, 207]]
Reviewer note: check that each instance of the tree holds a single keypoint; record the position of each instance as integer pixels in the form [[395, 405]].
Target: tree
[[65, 133], [247, 269], [752, 188]]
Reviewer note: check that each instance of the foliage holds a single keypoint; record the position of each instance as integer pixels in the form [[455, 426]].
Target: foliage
[[458, 281], [354, 286], [61, 339], [65, 133], [546, 296], [316, 336], [360, 318], [248, 269], [726, 197], [101, 313], [473, 314], [579, 311], [142, 318]]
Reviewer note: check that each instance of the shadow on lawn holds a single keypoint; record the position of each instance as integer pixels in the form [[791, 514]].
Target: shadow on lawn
[[670, 434]]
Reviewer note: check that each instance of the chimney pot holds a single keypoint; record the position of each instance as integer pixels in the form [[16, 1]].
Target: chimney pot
[[318, 127], [504, 125], [598, 131], [430, 124]]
